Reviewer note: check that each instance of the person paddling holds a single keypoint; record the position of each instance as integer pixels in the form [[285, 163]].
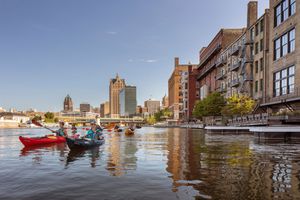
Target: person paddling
[[62, 131], [93, 133]]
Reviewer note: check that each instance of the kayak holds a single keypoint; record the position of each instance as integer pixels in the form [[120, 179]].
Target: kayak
[[129, 132], [26, 141], [83, 143]]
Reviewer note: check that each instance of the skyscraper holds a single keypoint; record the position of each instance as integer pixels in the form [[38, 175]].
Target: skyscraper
[[115, 86], [68, 104], [128, 102]]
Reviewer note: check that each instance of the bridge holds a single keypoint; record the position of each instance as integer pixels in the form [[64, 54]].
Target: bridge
[[87, 120]]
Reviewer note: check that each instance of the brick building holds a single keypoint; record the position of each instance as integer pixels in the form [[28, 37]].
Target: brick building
[[178, 89], [207, 69]]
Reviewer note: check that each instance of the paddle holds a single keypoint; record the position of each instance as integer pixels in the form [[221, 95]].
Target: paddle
[[40, 125]]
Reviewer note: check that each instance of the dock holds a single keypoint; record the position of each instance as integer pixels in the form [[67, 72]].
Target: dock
[[284, 133]]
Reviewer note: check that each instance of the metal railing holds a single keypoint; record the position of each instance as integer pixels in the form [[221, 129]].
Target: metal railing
[[235, 82], [221, 75], [235, 66]]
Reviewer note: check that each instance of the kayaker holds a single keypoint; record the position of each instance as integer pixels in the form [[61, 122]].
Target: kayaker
[[74, 131], [62, 131], [93, 133]]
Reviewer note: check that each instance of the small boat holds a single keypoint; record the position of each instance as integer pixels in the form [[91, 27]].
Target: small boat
[[26, 141], [129, 132], [83, 143], [117, 130]]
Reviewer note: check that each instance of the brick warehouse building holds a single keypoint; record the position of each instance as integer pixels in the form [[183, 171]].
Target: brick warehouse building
[[260, 60]]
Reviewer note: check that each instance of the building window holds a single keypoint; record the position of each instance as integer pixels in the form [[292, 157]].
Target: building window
[[256, 67], [256, 48], [292, 40], [256, 30], [261, 86], [256, 86], [284, 44], [292, 7], [284, 81], [262, 25], [261, 64], [252, 34], [284, 10], [261, 45]]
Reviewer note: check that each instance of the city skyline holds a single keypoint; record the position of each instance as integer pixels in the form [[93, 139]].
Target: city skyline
[[66, 53]]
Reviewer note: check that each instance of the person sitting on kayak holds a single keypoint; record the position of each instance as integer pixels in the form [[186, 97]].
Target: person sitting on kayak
[[74, 131], [93, 133], [62, 131]]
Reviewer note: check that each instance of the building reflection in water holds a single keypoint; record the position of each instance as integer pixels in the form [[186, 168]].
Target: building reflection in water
[[121, 154], [227, 167]]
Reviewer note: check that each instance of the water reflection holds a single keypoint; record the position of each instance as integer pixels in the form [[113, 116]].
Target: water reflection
[[121, 154], [38, 152], [77, 154], [160, 163]]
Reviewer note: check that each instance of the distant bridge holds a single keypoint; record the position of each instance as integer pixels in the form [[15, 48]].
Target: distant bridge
[[87, 120]]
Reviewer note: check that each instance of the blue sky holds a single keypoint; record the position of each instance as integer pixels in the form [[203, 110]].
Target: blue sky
[[49, 49]]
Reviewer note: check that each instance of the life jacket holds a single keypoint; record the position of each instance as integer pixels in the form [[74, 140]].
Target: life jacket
[[91, 134], [60, 132]]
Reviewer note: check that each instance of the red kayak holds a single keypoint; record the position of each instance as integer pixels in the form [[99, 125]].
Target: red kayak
[[41, 140]]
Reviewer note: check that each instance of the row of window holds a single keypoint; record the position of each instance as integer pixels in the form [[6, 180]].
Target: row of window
[[283, 11], [260, 65], [261, 82], [259, 27], [284, 81], [284, 44], [259, 46]]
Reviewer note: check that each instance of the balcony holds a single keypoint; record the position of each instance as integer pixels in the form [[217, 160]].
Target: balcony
[[221, 89], [235, 83], [221, 75], [221, 62], [206, 70], [235, 66], [235, 50], [210, 54]]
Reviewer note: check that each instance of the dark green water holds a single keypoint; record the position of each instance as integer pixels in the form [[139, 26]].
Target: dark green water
[[153, 164]]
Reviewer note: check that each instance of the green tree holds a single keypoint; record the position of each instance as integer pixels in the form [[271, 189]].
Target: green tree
[[238, 105], [151, 120], [49, 115], [210, 106], [56, 120]]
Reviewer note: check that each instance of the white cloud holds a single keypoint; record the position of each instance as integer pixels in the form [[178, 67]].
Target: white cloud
[[111, 32], [143, 60]]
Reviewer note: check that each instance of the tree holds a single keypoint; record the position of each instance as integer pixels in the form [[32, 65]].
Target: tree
[[151, 120], [238, 105], [209, 106], [49, 115], [162, 115]]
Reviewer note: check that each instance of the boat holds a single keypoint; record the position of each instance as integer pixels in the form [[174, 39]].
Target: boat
[[129, 132], [27, 142], [83, 143]]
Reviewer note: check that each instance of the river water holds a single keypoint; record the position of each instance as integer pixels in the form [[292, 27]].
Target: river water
[[152, 164]]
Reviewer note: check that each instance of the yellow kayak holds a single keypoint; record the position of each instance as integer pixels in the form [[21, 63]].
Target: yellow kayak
[[129, 132]]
